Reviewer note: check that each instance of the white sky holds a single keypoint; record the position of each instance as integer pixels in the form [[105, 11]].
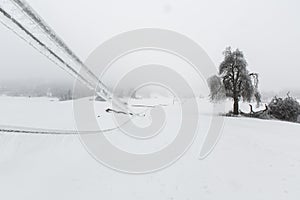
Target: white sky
[[267, 31]]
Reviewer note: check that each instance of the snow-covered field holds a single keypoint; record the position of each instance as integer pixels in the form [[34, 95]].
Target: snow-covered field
[[254, 159]]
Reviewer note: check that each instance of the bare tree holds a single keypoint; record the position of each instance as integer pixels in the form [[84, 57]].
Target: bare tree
[[236, 79]]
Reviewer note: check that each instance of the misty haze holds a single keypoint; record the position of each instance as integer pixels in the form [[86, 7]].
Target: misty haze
[[149, 99]]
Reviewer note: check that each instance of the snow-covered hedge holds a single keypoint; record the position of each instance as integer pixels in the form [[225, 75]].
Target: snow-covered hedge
[[287, 109]]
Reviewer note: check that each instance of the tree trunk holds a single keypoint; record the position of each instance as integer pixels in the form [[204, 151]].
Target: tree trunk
[[235, 106]]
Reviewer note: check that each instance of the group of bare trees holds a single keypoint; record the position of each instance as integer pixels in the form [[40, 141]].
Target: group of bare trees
[[234, 81]]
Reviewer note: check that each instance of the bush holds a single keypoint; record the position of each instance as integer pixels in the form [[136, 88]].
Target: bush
[[286, 109]]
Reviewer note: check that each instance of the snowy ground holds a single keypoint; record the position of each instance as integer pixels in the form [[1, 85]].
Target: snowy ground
[[254, 159]]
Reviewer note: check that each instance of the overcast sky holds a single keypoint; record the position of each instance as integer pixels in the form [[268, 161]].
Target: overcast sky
[[268, 32]]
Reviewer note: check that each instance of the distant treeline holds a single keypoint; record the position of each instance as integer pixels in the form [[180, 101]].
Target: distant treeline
[[62, 91]]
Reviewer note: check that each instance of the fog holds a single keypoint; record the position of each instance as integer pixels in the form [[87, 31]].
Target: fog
[[266, 31]]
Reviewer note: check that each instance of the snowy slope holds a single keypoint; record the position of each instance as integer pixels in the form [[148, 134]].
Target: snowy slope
[[254, 159]]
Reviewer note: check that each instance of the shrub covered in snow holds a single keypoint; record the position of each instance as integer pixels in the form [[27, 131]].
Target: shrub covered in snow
[[286, 109]]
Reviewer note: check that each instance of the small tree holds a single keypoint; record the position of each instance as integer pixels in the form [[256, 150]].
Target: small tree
[[236, 80], [66, 97], [217, 90]]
